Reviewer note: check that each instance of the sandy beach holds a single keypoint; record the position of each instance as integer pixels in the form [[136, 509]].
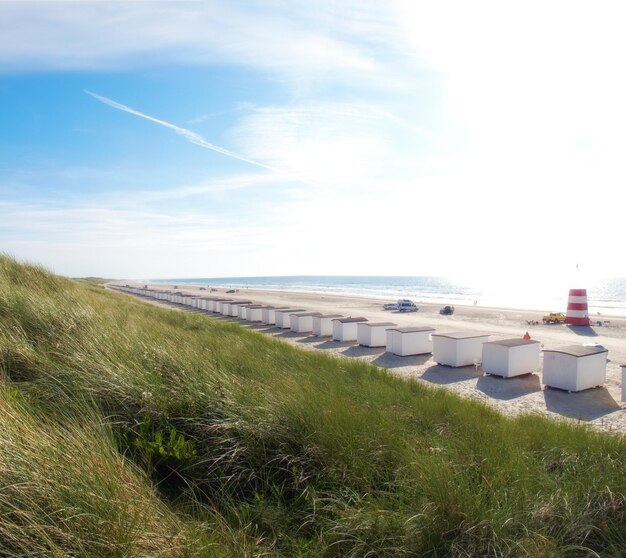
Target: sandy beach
[[599, 407]]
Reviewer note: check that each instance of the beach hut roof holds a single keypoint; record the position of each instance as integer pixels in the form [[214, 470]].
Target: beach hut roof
[[516, 342], [577, 350], [349, 320], [304, 314], [374, 324], [412, 329], [460, 335], [330, 316]]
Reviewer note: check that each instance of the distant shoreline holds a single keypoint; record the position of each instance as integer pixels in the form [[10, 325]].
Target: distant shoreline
[[595, 312]]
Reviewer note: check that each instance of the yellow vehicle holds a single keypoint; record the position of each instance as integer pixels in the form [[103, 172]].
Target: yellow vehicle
[[554, 318]]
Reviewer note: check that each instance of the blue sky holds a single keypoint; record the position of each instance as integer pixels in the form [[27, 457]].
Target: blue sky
[[188, 138]]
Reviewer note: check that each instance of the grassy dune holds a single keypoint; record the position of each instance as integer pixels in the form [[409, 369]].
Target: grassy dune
[[131, 430]]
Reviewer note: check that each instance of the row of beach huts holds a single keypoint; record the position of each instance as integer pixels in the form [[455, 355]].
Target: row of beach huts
[[571, 368]]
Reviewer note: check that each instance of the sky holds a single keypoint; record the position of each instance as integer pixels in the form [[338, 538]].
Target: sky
[[155, 139]]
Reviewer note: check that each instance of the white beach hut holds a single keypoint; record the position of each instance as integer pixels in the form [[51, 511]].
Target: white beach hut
[[574, 367], [345, 329], [405, 341], [216, 305], [224, 307], [623, 382], [255, 313], [371, 334], [283, 316], [234, 307], [302, 322], [511, 357], [323, 325], [269, 314], [244, 309], [458, 348]]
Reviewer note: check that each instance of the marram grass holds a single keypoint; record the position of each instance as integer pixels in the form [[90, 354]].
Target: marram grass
[[131, 430]]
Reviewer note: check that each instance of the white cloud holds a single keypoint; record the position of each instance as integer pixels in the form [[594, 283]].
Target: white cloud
[[338, 145], [67, 35], [532, 81]]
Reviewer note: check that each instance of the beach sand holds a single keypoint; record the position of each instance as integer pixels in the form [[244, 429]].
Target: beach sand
[[601, 408]]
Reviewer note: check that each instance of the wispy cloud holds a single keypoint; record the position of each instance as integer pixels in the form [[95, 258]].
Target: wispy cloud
[[286, 38], [190, 136], [197, 139], [238, 108]]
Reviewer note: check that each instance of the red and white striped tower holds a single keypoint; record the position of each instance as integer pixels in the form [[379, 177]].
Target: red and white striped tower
[[577, 308]]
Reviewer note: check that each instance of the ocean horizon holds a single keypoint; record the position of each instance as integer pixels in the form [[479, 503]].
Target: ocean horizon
[[605, 296]]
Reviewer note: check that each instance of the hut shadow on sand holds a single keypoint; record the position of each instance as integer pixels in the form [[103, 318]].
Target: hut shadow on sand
[[287, 334], [439, 374], [589, 404], [508, 388], [361, 351], [583, 331], [389, 360], [260, 327], [330, 344], [311, 340]]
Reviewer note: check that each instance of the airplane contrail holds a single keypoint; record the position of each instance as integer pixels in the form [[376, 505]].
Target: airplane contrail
[[197, 139]]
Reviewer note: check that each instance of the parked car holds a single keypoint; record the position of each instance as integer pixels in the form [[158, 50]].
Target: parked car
[[447, 311], [554, 318], [405, 305]]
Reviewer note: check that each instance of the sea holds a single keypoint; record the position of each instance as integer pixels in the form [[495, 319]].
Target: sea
[[606, 297]]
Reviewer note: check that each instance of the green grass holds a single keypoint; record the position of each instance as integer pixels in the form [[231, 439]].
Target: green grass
[[132, 430]]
